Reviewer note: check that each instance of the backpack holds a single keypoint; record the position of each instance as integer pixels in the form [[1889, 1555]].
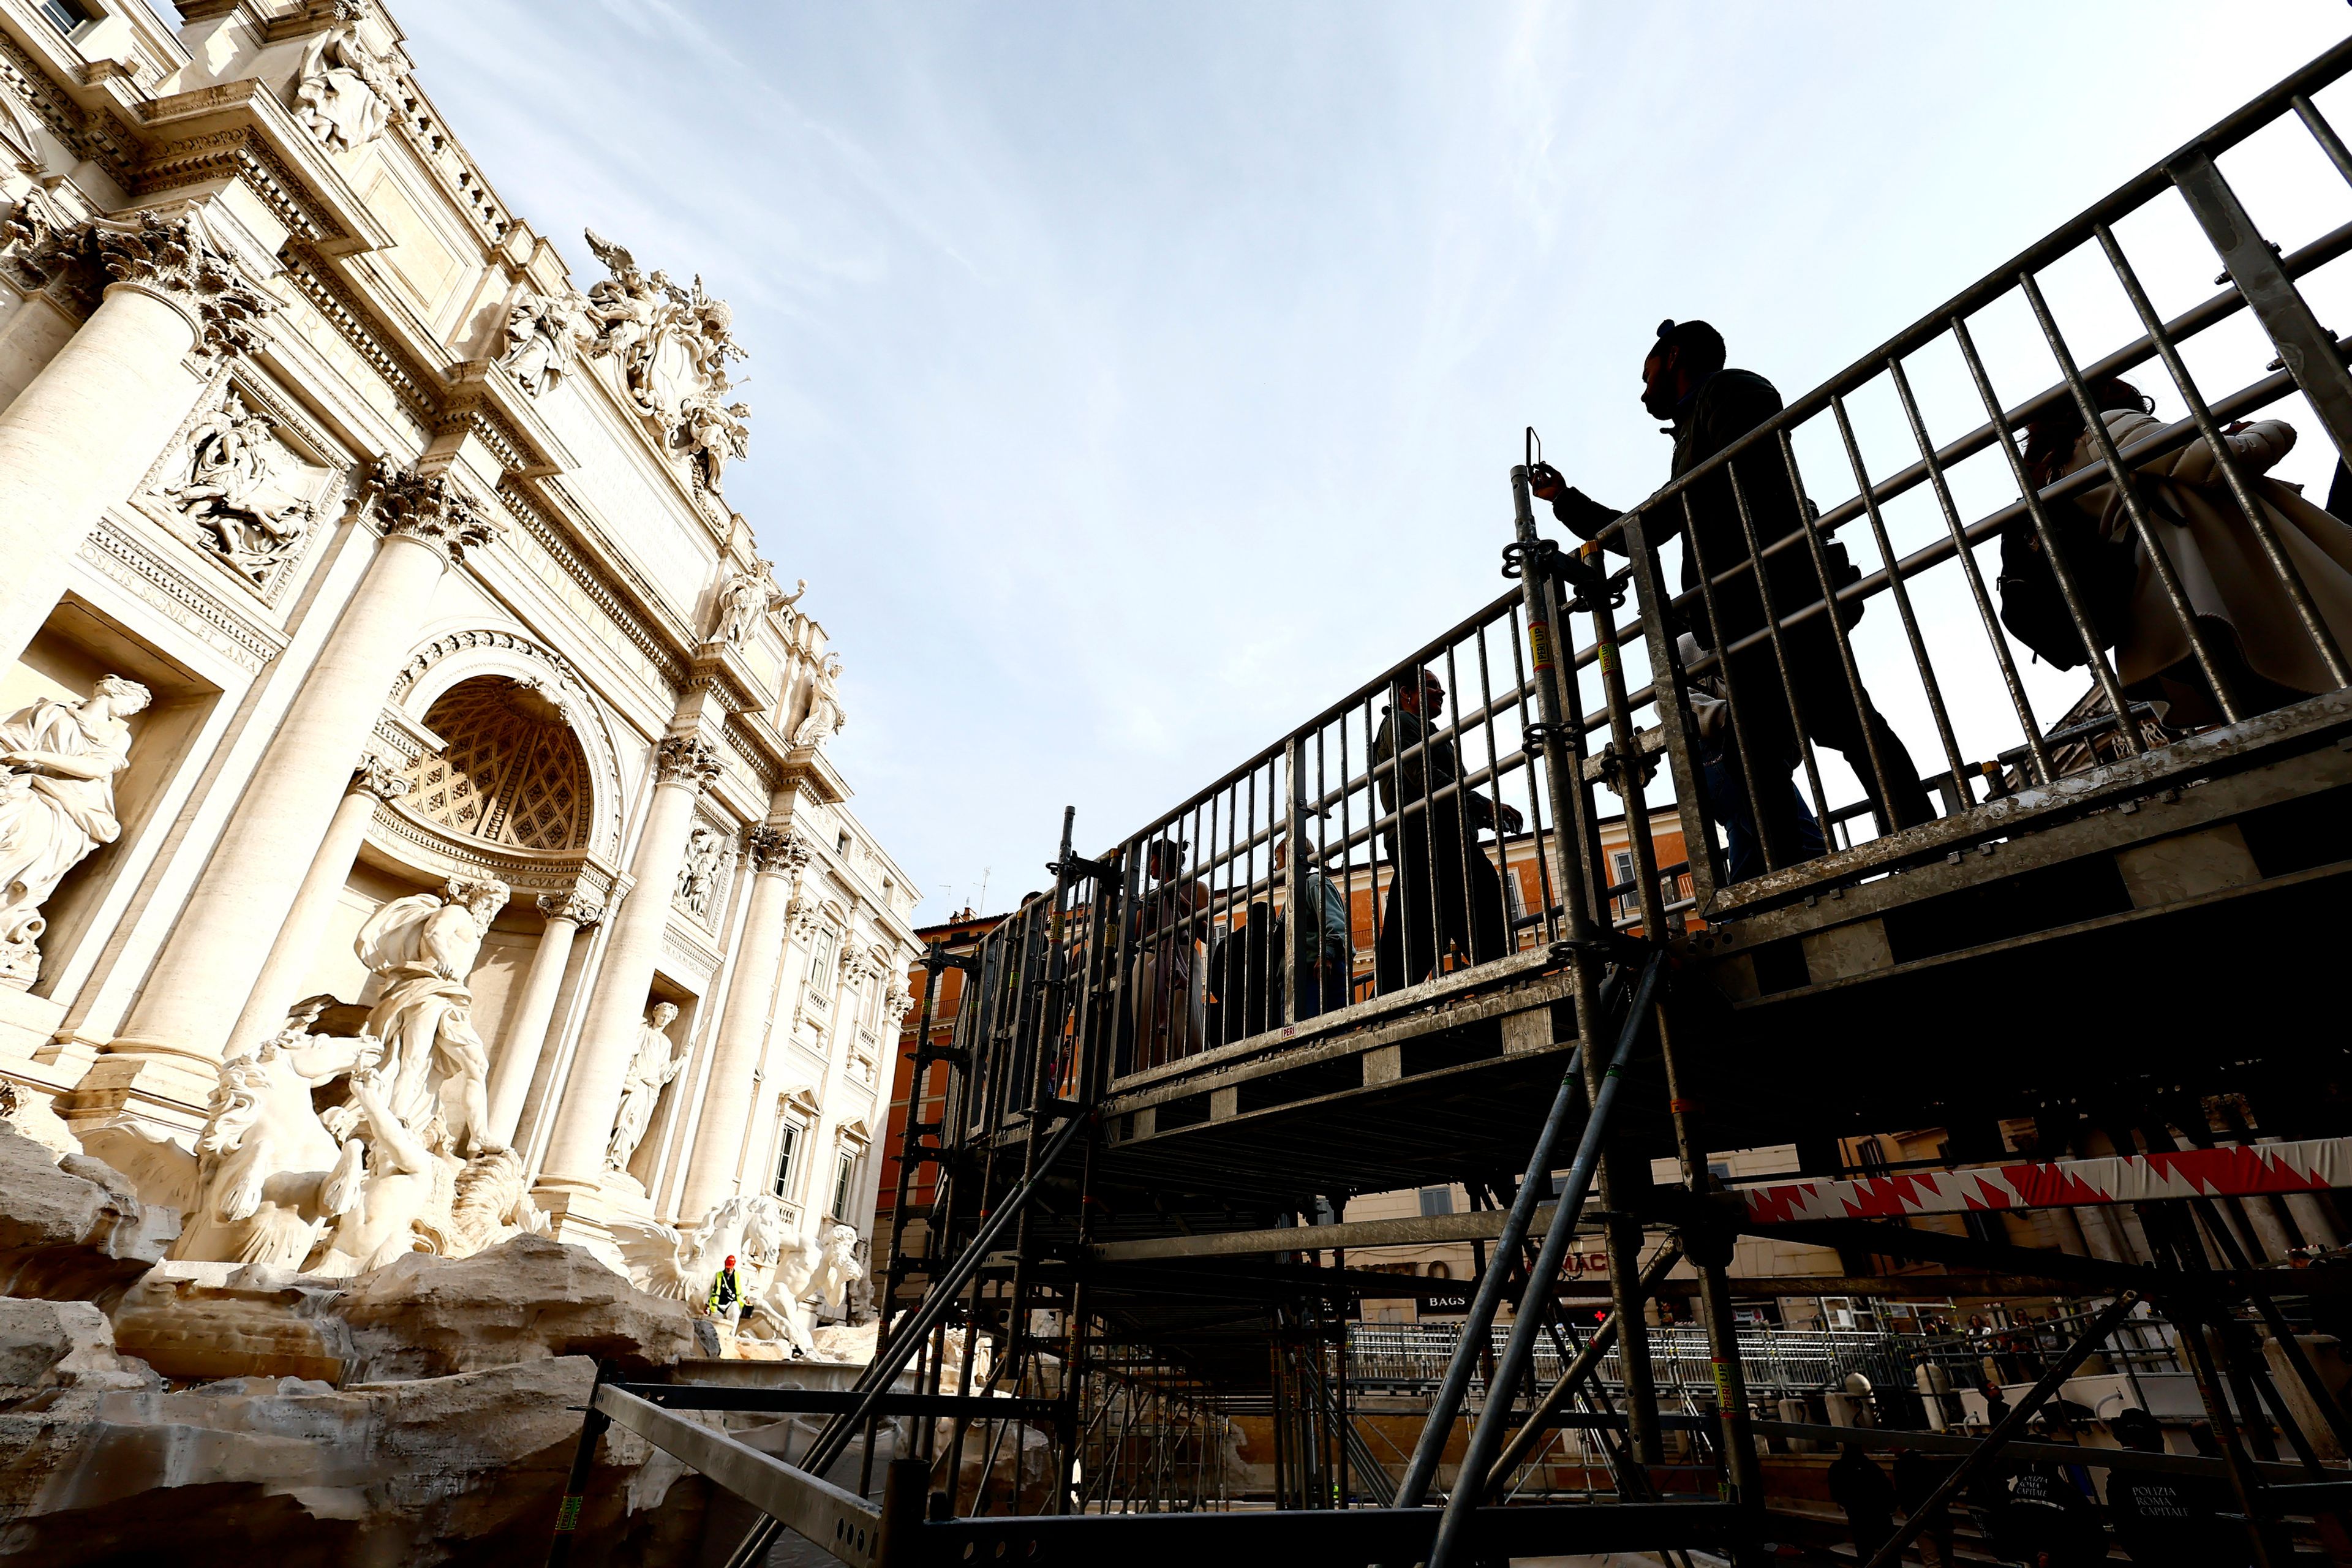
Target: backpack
[[2032, 607]]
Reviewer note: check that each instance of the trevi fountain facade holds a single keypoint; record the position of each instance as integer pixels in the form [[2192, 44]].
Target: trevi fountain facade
[[420, 844]]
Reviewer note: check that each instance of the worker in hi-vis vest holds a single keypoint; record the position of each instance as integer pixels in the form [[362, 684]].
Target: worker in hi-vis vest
[[726, 1291]]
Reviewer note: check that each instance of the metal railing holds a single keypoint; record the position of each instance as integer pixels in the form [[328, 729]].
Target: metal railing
[[2060, 480], [1779, 1363], [1422, 805]]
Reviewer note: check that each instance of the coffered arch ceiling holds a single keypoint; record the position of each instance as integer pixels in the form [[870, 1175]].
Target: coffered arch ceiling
[[511, 770]]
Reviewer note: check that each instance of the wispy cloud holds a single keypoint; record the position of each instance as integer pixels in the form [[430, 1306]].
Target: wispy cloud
[[1129, 381]]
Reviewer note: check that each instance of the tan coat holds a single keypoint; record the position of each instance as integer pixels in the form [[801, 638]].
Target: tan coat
[[2222, 567]]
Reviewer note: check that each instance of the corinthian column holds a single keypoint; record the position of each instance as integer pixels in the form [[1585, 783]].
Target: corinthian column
[[710, 1170], [169, 306], [616, 1009], [207, 969], [526, 1036], [298, 940]]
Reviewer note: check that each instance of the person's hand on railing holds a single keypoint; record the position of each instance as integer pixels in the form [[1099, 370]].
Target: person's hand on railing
[[1508, 818]]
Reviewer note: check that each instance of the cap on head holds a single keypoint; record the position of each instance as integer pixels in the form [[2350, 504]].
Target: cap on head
[[1701, 345]]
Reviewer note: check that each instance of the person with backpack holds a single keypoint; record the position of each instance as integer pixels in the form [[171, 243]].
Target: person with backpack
[[1709, 408], [2243, 612]]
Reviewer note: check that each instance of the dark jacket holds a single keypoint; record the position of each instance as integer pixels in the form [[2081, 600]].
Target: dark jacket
[[2047, 1519], [1859, 1486], [1726, 405]]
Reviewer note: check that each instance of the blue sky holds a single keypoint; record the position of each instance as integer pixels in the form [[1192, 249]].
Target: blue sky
[[1129, 381]]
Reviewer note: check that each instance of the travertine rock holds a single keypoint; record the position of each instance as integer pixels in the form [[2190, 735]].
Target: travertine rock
[[61, 1344], [464, 1469], [195, 1322], [528, 1299], [72, 1230]]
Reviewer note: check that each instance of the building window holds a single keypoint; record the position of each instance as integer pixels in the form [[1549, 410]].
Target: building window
[[67, 16], [1436, 1201], [788, 1150], [845, 1184], [820, 984]]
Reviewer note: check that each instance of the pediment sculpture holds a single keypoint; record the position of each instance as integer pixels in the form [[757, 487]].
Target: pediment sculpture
[[342, 92], [545, 334], [673, 345], [56, 805], [749, 593], [228, 485], [401, 1165]]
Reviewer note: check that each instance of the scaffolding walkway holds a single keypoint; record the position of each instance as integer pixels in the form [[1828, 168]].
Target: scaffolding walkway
[[1528, 911]]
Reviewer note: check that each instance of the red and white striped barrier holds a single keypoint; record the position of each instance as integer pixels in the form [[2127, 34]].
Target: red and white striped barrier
[[2307, 1167]]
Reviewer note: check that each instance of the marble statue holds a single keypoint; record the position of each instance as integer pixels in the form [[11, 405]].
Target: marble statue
[[824, 715], [649, 1073], [709, 433], [837, 1269], [227, 488], [697, 878], [267, 1173], [391, 1208], [744, 597], [772, 1267], [542, 335], [343, 92], [422, 948], [56, 805]]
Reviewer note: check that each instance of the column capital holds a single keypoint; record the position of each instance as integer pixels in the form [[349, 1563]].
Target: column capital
[[571, 907], [377, 778], [429, 506], [171, 256], [777, 851], [686, 759]]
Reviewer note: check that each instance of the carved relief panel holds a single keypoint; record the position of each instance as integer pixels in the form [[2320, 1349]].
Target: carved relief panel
[[247, 483]]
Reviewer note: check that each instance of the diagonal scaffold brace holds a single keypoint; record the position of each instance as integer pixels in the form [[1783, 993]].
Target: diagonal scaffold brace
[[1413, 1490], [1518, 1353]]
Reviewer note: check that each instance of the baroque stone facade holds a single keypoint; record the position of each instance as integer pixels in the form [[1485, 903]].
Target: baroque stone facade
[[417, 798]]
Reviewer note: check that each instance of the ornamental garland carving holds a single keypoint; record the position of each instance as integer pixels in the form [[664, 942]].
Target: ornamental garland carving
[[170, 256], [672, 345], [429, 506]]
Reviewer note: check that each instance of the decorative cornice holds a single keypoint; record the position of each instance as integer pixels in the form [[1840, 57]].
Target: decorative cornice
[[687, 760], [571, 906], [429, 506], [328, 295], [601, 587], [238, 154]]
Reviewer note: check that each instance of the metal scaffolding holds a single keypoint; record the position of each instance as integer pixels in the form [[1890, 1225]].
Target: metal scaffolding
[[1400, 947]]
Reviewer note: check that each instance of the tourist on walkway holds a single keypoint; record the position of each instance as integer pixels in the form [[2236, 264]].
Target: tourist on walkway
[[2241, 607], [1443, 890], [1709, 407], [1321, 940]]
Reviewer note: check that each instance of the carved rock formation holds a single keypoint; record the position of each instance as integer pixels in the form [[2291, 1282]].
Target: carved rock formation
[[48, 1345], [526, 1300], [468, 1469], [72, 1229]]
